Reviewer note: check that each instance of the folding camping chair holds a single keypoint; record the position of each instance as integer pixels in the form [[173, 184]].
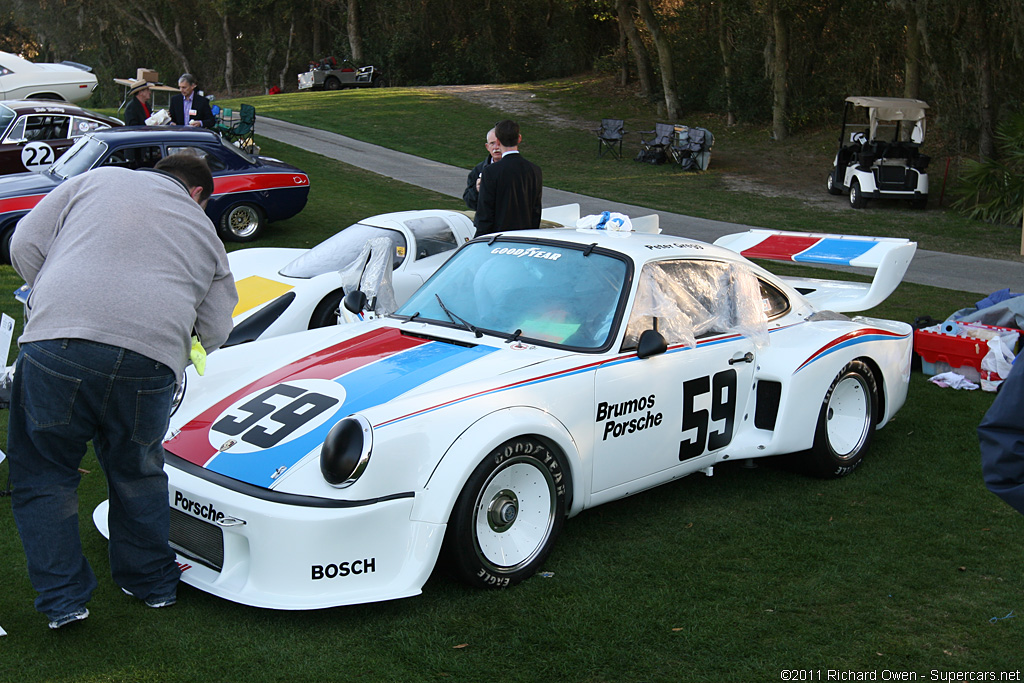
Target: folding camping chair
[[241, 132], [691, 147], [654, 150], [609, 137]]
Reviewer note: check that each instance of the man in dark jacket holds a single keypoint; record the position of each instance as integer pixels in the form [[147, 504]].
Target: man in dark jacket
[[510, 190], [137, 110], [1001, 434], [190, 108], [472, 191]]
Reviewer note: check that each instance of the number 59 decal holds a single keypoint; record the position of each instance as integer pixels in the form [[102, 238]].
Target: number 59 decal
[[723, 410], [277, 414]]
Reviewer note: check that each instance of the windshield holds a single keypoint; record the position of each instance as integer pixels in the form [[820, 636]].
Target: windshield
[[341, 251], [548, 293], [80, 158], [6, 116]]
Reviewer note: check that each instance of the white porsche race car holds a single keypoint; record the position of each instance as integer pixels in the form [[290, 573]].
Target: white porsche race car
[[535, 375], [287, 290]]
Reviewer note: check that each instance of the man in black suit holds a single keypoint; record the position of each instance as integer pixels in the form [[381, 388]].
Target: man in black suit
[[472, 191], [190, 108], [510, 190]]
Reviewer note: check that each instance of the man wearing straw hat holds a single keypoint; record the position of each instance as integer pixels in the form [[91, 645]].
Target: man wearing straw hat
[[137, 111]]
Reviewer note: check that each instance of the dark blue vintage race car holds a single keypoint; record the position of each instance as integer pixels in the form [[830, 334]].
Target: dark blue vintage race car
[[248, 191]]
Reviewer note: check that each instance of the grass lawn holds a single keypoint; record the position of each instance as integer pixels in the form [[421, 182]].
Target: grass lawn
[[439, 125], [907, 565]]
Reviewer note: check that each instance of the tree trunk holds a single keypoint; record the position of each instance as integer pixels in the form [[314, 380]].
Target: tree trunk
[[725, 47], [914, 53], [355, 37], [622, 58], [149, 21], [229, 55], [640, 56], [668, 79], [780, 72], [288, 51]]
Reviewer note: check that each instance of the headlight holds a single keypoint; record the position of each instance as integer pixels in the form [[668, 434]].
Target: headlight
[[346, 451], [179, 394]]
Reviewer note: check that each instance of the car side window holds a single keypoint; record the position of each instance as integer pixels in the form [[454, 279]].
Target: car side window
[[46, 127], [17, 133], [80, 126], [133, 157], [773, 300], [213, 162], [433, 234], [687, 300]]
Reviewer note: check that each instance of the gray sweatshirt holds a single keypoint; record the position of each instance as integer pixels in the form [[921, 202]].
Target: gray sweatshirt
[[125, 258]]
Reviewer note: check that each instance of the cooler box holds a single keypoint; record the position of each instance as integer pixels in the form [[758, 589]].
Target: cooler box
[[960, 348]]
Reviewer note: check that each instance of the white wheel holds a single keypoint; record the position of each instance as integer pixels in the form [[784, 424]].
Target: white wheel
[[846, 422], [508, 516]]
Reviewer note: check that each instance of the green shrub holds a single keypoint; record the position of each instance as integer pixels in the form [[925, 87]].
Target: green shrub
[[992, 190]]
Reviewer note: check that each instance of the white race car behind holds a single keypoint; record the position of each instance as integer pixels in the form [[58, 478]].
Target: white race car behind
[[287, 290], [535, 375]]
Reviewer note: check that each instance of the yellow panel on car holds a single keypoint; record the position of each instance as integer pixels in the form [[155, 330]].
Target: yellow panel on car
[[255, 290]]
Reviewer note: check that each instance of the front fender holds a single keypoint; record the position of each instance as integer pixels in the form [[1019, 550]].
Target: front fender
[[435, 502]]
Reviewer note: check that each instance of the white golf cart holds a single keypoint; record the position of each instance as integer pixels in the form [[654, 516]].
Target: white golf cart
[[880, 151]]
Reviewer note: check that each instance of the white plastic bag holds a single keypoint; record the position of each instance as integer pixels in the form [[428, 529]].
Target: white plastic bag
[[160, 118], [606, 220], [996, 364]]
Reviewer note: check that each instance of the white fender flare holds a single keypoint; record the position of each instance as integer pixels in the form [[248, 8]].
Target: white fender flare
[[435, 502]]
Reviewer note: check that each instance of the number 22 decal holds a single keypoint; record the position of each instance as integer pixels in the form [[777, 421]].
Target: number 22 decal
[[723, 407]]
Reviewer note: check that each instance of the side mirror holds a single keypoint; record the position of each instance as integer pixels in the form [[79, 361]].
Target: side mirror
[[651, 343], [355, 301]]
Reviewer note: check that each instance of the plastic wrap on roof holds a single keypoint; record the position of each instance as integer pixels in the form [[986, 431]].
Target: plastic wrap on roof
[[693, 299], [371, 273]]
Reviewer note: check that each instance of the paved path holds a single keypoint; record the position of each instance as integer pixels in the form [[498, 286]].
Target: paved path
[[967, 273]]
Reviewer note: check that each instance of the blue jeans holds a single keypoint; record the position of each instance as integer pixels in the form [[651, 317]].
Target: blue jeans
[[67, 392]]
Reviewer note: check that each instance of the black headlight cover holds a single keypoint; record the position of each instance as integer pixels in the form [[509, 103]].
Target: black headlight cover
[[346, 451]]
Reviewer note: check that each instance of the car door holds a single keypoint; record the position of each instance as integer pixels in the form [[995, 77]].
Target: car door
[[51, 129], [673, 413]]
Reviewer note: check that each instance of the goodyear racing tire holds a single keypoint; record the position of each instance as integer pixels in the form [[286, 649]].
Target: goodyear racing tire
[[242, 222], [830, 183], [846, 423], [508, 516], [857, 198]]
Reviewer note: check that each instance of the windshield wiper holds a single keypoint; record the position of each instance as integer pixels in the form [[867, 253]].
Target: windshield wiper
[[456, 319]]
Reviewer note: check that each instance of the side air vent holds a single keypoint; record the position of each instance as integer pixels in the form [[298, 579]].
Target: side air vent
[[767, 410]]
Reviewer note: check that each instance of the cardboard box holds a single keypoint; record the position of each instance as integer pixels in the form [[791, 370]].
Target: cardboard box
[[147, 75], [961, 353]]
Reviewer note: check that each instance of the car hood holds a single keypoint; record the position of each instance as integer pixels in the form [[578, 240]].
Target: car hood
[[25, 184], [253, 425]]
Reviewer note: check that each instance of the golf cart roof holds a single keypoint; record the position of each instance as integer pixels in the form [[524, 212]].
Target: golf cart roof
[[891, 108]]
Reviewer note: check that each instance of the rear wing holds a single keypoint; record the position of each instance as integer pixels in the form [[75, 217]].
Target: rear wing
[[889, 257]]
